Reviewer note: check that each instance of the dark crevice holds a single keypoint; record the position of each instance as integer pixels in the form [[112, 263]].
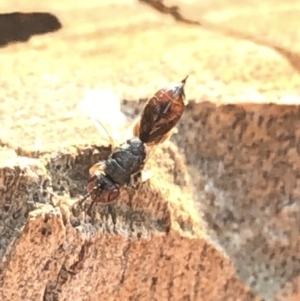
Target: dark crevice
[[19, 27], [77, 266], [54, 288], [125, 256], [174, 11]]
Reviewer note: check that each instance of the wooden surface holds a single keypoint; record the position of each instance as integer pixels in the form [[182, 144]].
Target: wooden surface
[[219, 219]]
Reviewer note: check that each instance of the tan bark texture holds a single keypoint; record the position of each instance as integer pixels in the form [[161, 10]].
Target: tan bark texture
[[219, 219]]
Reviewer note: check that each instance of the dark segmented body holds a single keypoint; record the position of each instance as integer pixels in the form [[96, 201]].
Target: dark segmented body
[[124, 161]]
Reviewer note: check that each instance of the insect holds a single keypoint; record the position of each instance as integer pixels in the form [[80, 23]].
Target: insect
[[126, 162]]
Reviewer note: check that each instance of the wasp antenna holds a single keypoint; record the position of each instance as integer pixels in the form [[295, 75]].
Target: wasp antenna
[[184, 80], [85, 197], [89, 211]]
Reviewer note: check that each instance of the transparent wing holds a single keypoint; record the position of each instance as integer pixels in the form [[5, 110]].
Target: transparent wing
[[104, 109]]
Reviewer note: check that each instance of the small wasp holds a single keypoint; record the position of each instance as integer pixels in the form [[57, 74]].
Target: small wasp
[[126, 162]]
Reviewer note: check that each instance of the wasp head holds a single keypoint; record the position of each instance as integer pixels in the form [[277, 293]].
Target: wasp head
[[102, 189]]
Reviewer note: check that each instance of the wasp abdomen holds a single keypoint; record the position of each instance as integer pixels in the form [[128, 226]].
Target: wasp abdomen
[[160, 114]]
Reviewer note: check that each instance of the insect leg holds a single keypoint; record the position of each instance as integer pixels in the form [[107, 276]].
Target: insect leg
[[89, 211]]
